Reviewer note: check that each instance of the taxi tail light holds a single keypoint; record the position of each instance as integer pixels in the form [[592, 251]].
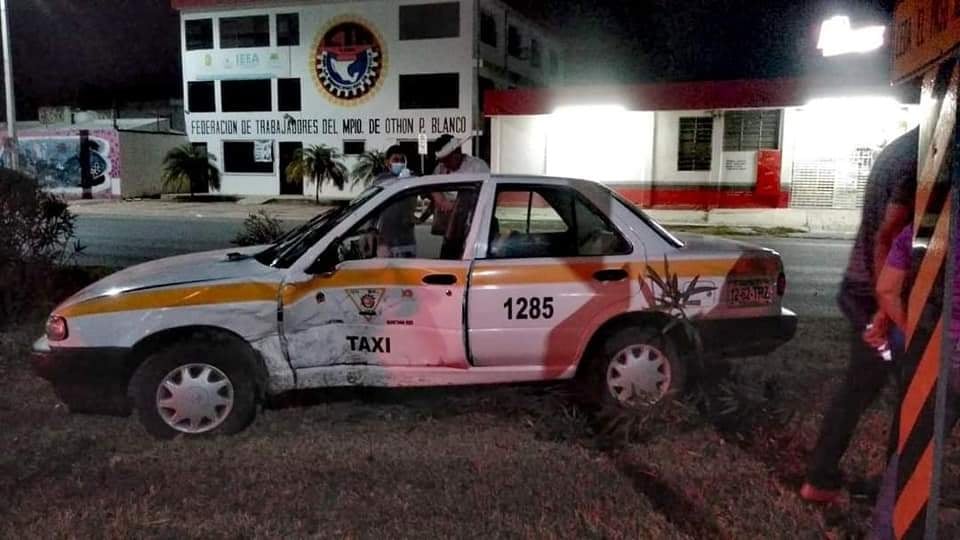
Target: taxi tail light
[[57, 328], [781, 284]]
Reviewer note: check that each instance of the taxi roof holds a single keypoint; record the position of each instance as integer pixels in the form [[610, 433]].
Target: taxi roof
[[432, 180]]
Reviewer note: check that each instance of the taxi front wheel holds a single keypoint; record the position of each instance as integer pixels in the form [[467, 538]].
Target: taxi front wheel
[[637, 366], [194, 389]]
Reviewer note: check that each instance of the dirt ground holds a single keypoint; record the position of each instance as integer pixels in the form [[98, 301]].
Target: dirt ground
[[481, 462]]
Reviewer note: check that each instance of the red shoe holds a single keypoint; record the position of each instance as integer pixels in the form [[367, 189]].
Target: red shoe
[[811, 493]]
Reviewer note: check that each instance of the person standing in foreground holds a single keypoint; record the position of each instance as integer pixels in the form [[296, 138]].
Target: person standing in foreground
[[887, 208], [892, 296]]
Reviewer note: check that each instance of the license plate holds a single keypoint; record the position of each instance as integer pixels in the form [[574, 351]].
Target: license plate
[[750, 294]]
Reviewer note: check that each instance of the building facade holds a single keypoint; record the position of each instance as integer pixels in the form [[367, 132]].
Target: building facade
[[264, 79], [730, 144]]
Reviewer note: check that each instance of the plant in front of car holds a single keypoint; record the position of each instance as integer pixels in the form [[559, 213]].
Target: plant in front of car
[[258, 229], [38, 238], [187, 168], [637, 417], [674, 300], [369, 166], [318, 164]]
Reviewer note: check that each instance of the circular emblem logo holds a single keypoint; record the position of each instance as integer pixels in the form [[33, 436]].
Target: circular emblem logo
[[349, 61], [368, 301]]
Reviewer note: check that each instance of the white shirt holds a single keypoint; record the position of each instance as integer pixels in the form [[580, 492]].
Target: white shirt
[[469, 165]]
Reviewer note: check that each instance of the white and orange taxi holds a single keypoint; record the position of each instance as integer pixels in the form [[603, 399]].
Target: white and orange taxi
[[453, 280]]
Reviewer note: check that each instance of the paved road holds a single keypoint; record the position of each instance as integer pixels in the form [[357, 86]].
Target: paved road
[[813, 267]]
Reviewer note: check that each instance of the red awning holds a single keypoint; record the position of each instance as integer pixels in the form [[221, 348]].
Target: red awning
[[741, 94]]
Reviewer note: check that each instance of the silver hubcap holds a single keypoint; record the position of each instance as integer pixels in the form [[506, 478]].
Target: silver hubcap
[[639, 372], [195, 398]]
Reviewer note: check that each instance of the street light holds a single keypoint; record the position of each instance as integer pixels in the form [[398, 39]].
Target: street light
[[8, 86], [838, 37]]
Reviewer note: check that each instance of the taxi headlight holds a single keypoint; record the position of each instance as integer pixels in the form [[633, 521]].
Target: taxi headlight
[[57, 328]]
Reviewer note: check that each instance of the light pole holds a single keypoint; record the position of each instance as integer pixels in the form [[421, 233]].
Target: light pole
[[8, 86]]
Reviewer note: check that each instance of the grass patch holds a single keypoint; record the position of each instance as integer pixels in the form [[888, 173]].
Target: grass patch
[[522, 461]]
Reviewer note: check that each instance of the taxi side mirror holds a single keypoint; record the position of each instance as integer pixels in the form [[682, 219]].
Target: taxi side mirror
[[327, 262]]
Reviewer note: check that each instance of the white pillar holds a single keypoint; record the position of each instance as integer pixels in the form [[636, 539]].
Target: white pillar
[[8, 86]]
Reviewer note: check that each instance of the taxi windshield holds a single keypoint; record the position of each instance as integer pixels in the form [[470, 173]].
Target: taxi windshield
[[292, 245]]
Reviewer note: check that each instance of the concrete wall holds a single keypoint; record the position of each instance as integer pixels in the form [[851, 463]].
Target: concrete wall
[[610, 147], [141, 156]]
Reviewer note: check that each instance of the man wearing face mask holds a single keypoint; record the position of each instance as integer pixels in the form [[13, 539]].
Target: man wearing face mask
[[395, 162], [396, 238]]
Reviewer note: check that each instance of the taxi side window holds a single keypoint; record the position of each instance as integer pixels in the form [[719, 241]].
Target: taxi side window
[[550, 222], [417, 224]]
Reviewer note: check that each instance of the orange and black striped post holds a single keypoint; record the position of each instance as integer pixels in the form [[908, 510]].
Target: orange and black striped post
[[922, 409]]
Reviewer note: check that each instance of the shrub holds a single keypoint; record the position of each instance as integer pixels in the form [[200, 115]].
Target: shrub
[[38, 231], [259, 228]]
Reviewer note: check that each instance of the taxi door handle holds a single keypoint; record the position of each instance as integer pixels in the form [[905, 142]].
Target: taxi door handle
[[611, 275], [440, 279]]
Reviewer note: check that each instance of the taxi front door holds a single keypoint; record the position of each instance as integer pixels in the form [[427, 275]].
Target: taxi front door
[[393, 300]]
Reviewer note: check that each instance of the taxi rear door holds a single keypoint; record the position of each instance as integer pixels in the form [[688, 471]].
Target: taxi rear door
[[554, 262]]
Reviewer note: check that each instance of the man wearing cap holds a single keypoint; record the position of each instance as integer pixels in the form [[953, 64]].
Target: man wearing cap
[[452, 160]]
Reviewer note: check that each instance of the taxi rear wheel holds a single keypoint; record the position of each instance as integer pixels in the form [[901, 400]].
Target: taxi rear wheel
[[194, 389], [637, 366]]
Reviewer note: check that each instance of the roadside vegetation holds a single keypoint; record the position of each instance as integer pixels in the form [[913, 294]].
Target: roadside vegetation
[[259, 228]]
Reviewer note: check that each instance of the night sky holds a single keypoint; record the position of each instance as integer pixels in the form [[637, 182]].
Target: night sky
[[129, 49]]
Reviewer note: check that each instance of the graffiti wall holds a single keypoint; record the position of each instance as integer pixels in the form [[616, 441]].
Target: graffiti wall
[[53, 157]]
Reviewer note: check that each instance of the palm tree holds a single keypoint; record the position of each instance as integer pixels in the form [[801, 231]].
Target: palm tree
[[370, 165], [318, 163], [190, 165]]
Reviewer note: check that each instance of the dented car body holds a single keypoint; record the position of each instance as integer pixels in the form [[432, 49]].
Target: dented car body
[[453, 280]]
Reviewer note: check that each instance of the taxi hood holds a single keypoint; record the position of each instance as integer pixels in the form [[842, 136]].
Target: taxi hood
[[208, 266]]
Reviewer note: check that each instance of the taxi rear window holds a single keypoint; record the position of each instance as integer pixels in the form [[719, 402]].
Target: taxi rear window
[[656, 227]]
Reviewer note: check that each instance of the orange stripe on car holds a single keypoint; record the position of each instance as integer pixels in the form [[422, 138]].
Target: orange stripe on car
[[174, 298], [485, 274]]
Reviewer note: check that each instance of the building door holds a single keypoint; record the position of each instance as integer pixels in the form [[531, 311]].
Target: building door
[[198, 185], [289, 186]]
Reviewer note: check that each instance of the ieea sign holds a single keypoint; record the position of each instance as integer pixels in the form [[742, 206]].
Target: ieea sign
[[245, 64]]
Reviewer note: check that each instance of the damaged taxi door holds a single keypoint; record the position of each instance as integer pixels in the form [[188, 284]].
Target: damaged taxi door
[[390, 292]]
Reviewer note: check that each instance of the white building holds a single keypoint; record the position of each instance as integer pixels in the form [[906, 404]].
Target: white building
[[264, 78], [728, 144]]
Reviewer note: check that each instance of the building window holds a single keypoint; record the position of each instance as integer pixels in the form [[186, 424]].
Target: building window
[[430, 21], [488, 28], [288, 94], [696, 144], [200, 97], [751, 130], [536, 57], [554, 63], [246, 96], [430, 91], [354, 148], [239, 157], [237, 32], [514, 42], [288, 29], [199, 33]]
